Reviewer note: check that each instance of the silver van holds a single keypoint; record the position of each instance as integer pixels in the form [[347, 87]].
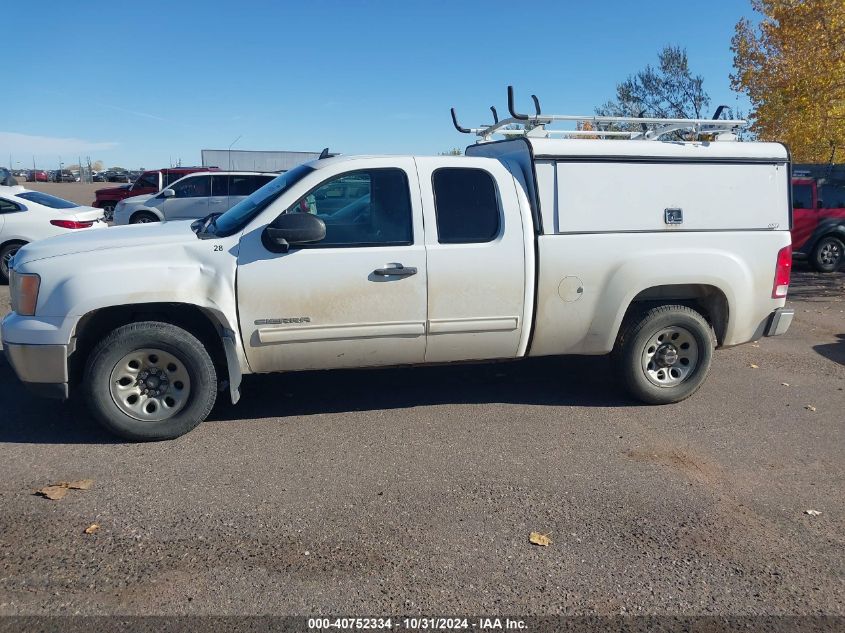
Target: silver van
[[194, 196]]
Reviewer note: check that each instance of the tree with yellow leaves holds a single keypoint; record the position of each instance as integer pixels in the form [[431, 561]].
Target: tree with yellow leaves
[[792, 67]]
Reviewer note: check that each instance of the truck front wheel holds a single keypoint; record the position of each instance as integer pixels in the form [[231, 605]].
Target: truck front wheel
[[664, 354], [150, 381]]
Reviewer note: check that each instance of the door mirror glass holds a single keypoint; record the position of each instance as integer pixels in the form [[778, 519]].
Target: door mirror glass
[[167, 193], [819, 204], [291, 229]]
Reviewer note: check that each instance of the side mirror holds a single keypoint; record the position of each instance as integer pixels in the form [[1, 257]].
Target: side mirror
[[819, 204], [291, 229], [167, 193]]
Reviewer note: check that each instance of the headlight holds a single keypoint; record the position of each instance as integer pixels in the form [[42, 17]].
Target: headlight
[[23, 289]]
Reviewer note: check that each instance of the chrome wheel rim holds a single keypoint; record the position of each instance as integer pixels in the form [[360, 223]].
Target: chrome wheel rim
[[7, 259], [670, 356], [830, 253], [150, 385], [143, 220]]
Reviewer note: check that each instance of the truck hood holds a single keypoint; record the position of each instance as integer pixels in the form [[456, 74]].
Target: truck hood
[[108, 239]]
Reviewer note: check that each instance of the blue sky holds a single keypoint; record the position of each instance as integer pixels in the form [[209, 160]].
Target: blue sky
[[147, 83]]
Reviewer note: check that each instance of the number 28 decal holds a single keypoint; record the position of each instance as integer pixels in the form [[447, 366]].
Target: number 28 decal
[[218, 247]]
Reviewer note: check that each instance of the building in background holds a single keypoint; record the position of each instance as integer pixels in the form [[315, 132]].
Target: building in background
[[246, 160]]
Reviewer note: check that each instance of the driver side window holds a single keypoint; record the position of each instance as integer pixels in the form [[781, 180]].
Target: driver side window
[[194, 187], [362, 208]]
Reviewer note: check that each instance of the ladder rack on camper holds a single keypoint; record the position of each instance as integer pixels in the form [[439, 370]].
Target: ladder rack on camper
[[651, 128]]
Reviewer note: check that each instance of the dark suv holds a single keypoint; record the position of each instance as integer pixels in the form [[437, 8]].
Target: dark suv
[[149, 181], [63, 175]]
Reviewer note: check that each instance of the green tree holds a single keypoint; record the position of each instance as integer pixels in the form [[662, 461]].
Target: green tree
[[669, 90]]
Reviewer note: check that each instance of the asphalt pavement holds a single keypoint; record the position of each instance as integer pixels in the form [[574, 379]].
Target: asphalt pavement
[[413, 491]]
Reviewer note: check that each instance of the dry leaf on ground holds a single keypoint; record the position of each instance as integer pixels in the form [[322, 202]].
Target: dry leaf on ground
[[92, 528], [809, 407], [784, 384], [59, 490], [753, 366], [52, 492], [82, 484], [540, 539], [812, 513]]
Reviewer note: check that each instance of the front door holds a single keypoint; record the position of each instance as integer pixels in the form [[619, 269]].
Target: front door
[[355, 299], [805, 215], [190, 201]]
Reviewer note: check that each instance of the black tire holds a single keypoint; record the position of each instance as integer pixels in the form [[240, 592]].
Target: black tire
[[143, 217], [173, 340], [828, 254], [640, 330], [108, 211], [6, 254]]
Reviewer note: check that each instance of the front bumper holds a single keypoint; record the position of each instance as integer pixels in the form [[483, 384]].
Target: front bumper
[[779, 321], [42, 368]]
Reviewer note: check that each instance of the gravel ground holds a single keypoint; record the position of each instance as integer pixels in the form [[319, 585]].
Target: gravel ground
[[413, 491], [78, 192]]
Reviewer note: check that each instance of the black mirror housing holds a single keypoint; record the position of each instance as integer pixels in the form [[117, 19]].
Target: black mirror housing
[[291, 229]]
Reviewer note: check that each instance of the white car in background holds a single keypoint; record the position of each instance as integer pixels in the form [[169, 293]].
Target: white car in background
[[194, 196], [27, 216]]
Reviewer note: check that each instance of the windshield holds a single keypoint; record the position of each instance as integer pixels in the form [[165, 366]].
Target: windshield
[[239, 215], [47, 200]]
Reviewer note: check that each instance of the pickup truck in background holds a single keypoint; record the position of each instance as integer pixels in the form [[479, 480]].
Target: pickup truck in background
[[653, 252], [148, 182], [818, 225]]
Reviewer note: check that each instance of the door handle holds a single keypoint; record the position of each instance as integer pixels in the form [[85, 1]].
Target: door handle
[[216, 200], [395, 270]]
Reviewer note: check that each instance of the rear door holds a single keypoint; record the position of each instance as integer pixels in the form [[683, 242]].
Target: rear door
[[475, 249]]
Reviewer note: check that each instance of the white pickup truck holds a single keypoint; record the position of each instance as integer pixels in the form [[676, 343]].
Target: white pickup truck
[[654, 251]]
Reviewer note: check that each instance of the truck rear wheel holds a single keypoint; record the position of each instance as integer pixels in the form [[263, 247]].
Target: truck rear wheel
[[664, 354], [828, 255], [150, 381]]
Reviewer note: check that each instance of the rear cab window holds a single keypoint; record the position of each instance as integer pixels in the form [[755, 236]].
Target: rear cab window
[[466, 205], [147, 180]]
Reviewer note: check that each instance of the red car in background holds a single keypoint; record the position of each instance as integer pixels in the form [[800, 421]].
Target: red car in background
[[149, 181], [37, 175], [818, 221]]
